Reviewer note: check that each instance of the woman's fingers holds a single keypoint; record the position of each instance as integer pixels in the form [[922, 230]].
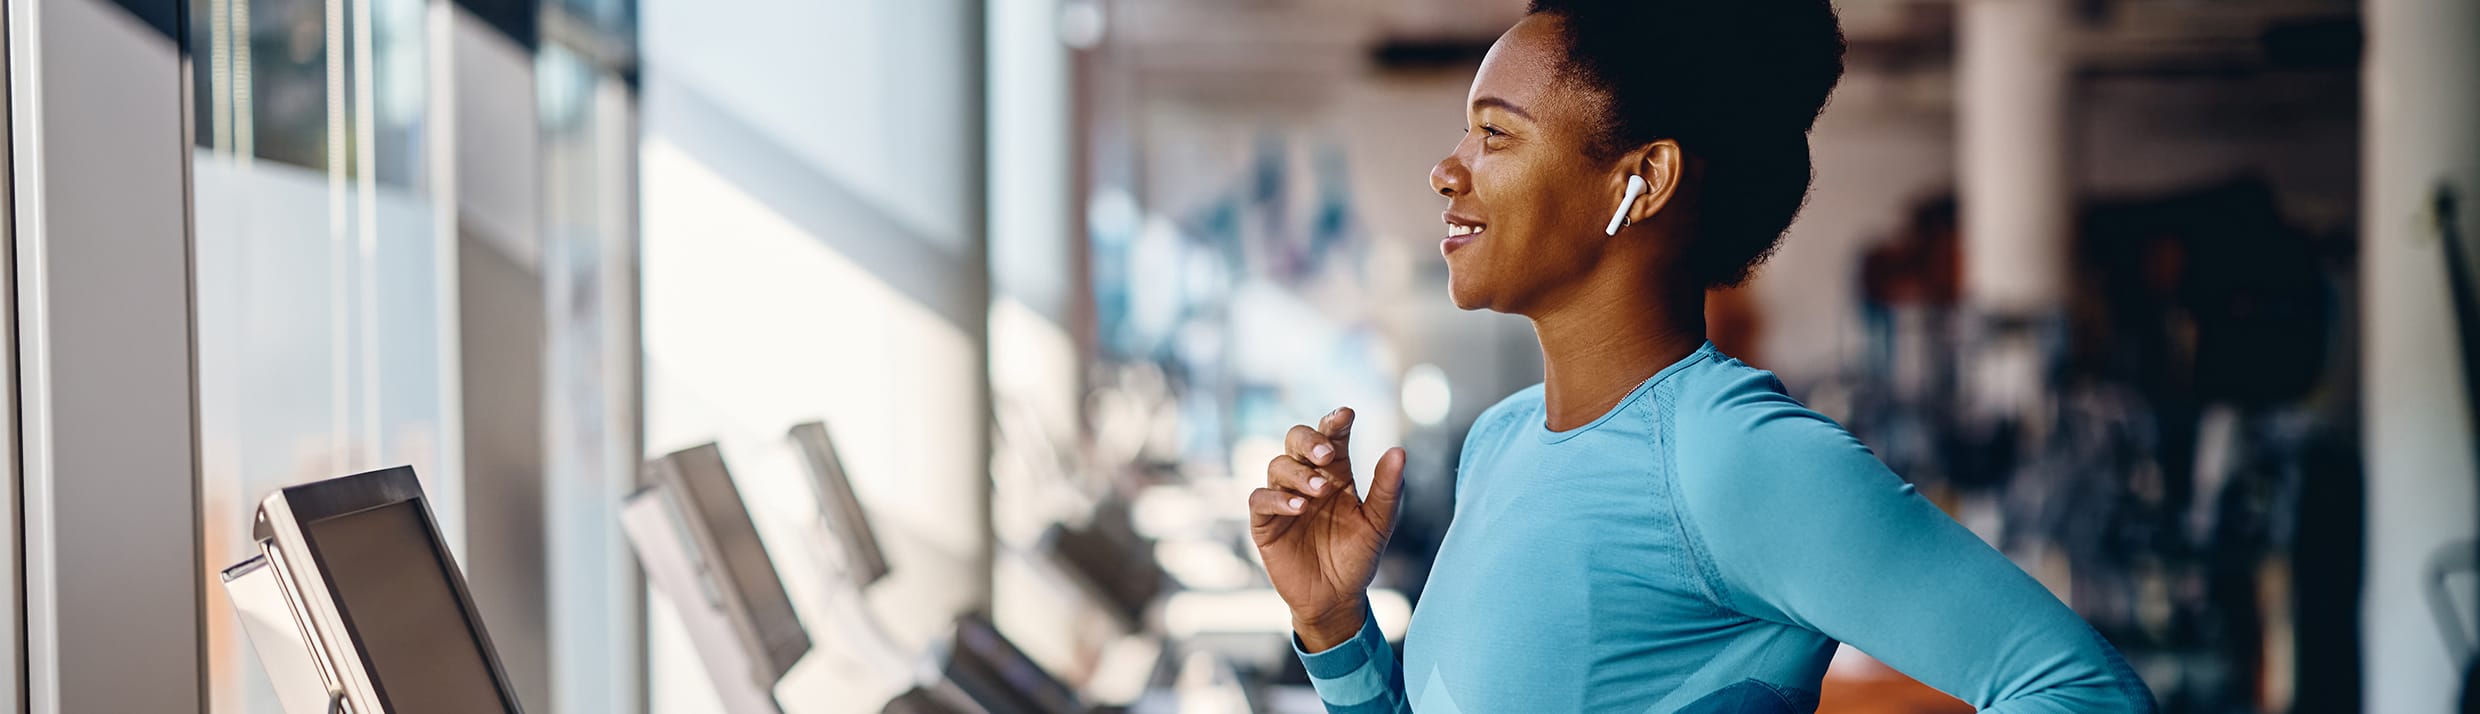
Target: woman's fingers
[[1311, 447], [1324, 445], [1337, 426], [1267, 504], [1289, 474]]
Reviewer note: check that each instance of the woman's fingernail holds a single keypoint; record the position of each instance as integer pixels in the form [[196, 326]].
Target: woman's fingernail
[[1320, 452], [1317, 483], [1296, 501]]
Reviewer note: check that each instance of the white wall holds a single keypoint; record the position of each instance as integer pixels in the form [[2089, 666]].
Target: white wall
[[809, 232], [860, 90]]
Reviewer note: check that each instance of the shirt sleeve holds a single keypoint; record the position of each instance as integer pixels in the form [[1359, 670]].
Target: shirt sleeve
[[1359, 676], [1803, 525]]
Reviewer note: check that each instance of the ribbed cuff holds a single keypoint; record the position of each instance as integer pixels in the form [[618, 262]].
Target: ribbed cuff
[[1357, 675]]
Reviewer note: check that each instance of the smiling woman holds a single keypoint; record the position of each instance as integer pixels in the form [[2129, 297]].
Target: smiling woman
[[1658, 526]]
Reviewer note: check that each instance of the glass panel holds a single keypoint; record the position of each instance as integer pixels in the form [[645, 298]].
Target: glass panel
[[400, 93], [610, 18], [589, 261], [319, 282], [263, 82]]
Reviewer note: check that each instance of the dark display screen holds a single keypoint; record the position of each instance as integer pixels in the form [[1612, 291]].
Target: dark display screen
[[392, 583]]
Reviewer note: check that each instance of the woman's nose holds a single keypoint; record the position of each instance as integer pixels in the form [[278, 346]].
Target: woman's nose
[[1448, 177]]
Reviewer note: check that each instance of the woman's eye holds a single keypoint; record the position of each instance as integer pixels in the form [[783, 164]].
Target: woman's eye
[[1491, 130]]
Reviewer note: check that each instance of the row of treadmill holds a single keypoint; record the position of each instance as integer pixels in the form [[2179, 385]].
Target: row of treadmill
[[354, 604]]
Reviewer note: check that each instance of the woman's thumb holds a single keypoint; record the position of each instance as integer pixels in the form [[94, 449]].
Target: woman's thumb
[[1386, 488]]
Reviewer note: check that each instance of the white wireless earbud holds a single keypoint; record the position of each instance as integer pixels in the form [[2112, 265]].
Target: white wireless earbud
[[1635, 190]]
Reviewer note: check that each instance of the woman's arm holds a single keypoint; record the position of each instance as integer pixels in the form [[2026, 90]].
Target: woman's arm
[[1359, 676], [1805, 526], [1320, 542]]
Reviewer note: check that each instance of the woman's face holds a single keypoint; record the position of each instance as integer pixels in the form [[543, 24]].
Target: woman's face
[[1527, 202]]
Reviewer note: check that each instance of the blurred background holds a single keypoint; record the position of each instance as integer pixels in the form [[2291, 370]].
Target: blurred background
[[2172, 301]]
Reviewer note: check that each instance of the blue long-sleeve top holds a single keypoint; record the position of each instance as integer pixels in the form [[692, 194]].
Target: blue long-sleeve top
[[1701, 548]]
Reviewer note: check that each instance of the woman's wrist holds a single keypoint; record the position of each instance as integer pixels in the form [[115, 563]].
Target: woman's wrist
[[1322, 631]]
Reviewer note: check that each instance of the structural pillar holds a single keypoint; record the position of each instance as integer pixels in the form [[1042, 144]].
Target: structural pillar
[[2421, 113], [2016, 194], [2016, 197]]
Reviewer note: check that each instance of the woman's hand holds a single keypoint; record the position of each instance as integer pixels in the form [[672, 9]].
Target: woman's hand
[[1320, 541]]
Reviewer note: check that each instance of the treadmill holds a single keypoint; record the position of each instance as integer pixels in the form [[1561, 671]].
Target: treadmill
[[355, 605]]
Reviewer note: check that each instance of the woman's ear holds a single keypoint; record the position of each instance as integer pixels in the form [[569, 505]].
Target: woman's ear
[[1662, 165]]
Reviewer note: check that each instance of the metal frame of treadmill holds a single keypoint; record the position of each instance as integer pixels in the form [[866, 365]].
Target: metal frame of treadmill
[[864, 561], [674, 543]]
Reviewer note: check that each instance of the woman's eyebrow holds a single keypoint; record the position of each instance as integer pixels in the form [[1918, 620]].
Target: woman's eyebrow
[[1511, 107]]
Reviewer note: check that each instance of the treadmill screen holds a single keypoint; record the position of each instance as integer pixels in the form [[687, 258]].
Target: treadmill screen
[[711, 492], [391, 582]]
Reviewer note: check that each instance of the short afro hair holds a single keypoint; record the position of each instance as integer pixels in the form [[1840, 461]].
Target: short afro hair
[[1738, 83]]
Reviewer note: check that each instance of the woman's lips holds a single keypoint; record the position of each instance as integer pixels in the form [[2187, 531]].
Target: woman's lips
[[1460, 232]]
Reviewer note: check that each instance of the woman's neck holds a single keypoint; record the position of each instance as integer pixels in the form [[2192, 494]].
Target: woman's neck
[[1597, 349]]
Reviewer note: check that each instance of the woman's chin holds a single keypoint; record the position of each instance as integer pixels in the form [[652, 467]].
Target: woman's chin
[[1465, 295]]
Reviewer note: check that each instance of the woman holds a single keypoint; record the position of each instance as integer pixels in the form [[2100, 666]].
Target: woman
[[1657, 527]]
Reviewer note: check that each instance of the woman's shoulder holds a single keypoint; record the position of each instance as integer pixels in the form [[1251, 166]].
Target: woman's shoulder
[[1524, 400], [1730, 416], [1726, 392], [1508, 414]]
